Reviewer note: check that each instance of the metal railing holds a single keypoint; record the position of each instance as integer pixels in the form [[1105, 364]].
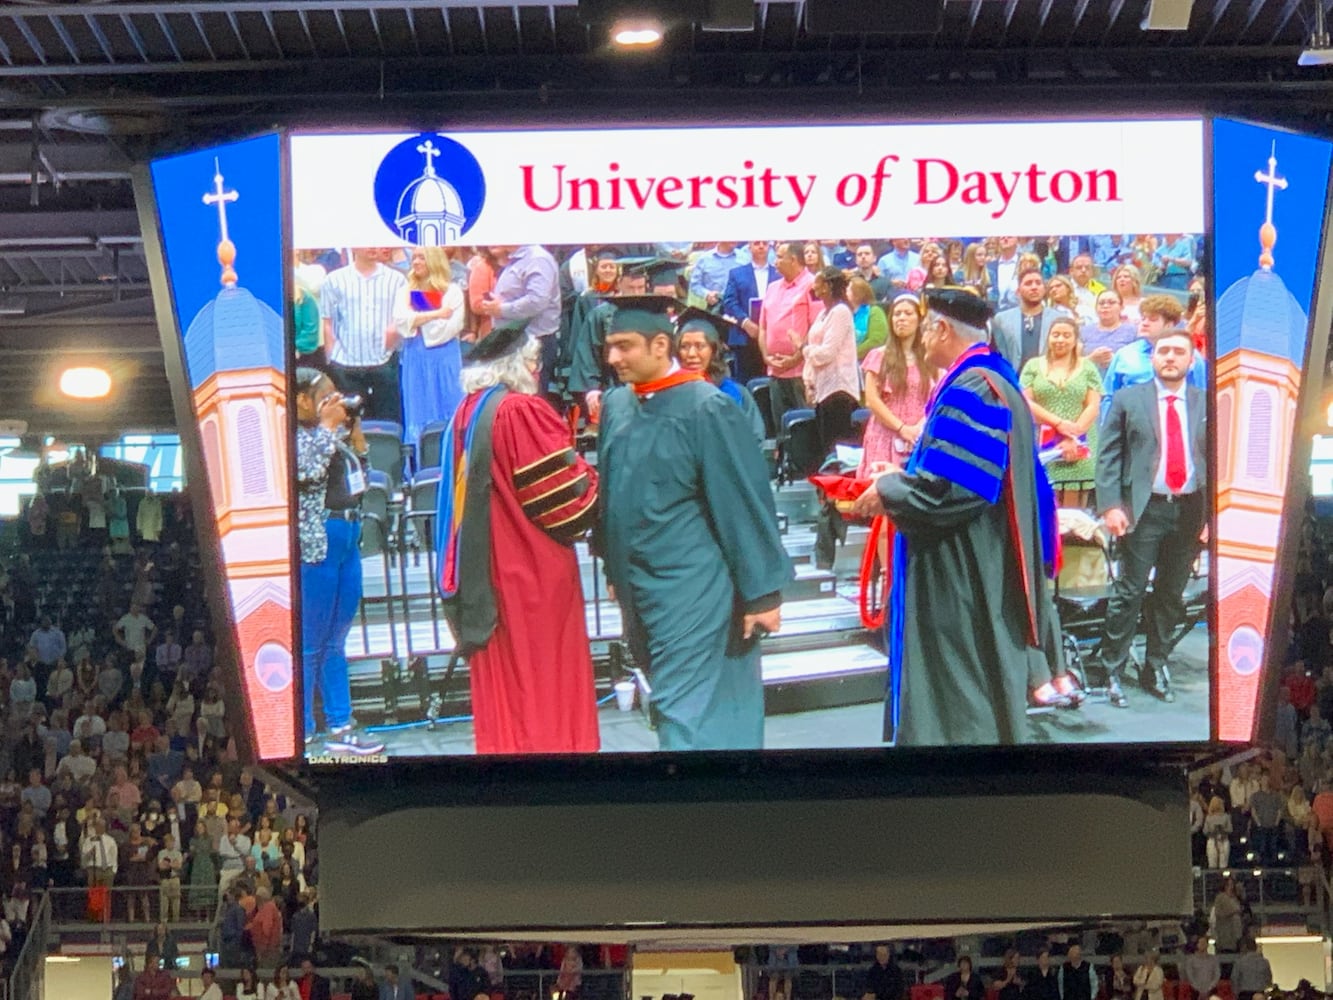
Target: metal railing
[[812, 982], [539, 984], [25, 981], [1292, 890], [74, 906]]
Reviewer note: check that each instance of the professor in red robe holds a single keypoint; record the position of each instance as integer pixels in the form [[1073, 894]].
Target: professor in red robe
[[514, 497]]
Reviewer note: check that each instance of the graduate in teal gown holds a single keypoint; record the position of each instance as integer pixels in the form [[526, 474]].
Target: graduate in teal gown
[[689, 533], [701, 345]]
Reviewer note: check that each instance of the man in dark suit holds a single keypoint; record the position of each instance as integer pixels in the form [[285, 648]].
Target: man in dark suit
[[1151, 486], [1020, 333], [746, 284]]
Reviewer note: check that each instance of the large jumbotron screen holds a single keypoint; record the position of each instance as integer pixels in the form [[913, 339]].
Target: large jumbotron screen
[[515, 519]]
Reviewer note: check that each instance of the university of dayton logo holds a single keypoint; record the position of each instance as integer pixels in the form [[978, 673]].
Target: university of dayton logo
[[429, 190]]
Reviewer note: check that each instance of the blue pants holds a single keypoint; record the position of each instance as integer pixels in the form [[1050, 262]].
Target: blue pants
[[330, 592]]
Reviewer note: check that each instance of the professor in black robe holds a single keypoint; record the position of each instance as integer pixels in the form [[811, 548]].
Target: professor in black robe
[[972, 627]]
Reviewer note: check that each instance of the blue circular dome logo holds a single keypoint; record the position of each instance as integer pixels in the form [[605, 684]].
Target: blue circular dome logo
[[429, 190]]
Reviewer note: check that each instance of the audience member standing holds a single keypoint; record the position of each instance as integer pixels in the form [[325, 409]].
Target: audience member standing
[[363, 982], [1078, 979], [356, 303], [1152, 492], [1043, 981], [784, 325], [1201, 971], [964, 984], [1148, 979], [154, 983], [527, 293], [1251, 973], [265, 928], [49, 642], [313, 986], [1225, 920], [832, 382], [885, 977], [212, 991], [396, 986]]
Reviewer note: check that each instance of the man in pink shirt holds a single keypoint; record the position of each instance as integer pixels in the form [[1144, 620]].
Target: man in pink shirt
[[784, 324]]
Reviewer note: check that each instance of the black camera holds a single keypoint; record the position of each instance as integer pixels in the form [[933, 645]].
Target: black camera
[[355, 408]]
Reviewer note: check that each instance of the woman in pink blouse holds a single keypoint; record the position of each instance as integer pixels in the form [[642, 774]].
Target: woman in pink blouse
[[898, 383], [832, 382], [482, 273]]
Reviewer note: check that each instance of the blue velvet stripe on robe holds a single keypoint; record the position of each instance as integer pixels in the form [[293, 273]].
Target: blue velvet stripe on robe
[[975, 456]]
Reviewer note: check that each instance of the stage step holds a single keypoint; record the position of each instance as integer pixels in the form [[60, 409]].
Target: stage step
[[799, 542], [823, 678], [794, 681], [798, 501]]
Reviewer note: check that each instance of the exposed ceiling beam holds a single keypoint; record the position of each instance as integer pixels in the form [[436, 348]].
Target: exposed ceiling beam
[[551, 64], [155, 7], [68, 226], [57, 176]]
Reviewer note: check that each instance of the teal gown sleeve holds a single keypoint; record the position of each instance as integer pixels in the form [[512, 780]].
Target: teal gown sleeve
[[745, 522]]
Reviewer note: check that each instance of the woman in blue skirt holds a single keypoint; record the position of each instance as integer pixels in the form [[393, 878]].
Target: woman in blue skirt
[[429, 316]]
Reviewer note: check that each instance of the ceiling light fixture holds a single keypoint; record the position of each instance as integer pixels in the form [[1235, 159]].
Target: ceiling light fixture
[[85, 383], [640, 34], [1319, 52]]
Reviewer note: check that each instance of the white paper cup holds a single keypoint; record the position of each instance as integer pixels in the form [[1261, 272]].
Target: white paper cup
[[625, 695]]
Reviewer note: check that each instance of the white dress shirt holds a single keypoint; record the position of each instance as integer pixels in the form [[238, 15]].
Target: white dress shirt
[[1182, 408], [761, 278]]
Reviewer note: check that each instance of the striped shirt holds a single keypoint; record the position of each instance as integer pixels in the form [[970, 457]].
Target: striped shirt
[[361, 310]]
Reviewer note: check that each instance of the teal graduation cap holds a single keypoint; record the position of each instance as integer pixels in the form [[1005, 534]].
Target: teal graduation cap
[[645, 314]]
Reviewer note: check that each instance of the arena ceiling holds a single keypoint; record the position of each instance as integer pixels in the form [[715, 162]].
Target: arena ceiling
[[87, 87]]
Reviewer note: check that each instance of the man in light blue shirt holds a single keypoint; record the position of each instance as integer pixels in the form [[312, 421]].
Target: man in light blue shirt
[[1109, 252], [898, 263], [1132, 364], [1175, 261], [528, 292], [49, 642], [708, 280]]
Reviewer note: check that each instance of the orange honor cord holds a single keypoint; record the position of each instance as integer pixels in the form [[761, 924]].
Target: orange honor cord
[[668, 382]]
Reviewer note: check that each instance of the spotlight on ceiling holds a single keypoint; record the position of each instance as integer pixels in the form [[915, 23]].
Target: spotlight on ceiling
[[1319, 52], [85, 383], [641, 15], [637, 33]]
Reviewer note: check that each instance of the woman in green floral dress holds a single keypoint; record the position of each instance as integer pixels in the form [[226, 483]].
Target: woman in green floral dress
[[1064, 390]]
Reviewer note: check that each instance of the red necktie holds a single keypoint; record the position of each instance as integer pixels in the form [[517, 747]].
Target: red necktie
[[1176, 470]]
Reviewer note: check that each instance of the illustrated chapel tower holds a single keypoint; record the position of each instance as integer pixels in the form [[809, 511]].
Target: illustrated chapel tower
[[1261, 337], [234, 351]]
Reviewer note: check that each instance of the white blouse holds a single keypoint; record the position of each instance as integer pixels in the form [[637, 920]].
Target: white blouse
[[433, 332]]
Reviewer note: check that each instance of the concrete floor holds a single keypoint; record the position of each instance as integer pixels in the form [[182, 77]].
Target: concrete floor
[[1146, 720]]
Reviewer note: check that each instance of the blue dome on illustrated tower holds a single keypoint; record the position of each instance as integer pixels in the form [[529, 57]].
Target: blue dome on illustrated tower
[[1258, 313], [235, 331], [430, 213]]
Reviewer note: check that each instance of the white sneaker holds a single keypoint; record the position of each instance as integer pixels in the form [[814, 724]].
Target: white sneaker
[[346, 740]]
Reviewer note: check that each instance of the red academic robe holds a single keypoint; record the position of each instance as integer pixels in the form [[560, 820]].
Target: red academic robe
[[532, 682]]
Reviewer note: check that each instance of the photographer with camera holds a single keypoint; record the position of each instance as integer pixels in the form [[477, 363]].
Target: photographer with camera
[[331, 478]]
